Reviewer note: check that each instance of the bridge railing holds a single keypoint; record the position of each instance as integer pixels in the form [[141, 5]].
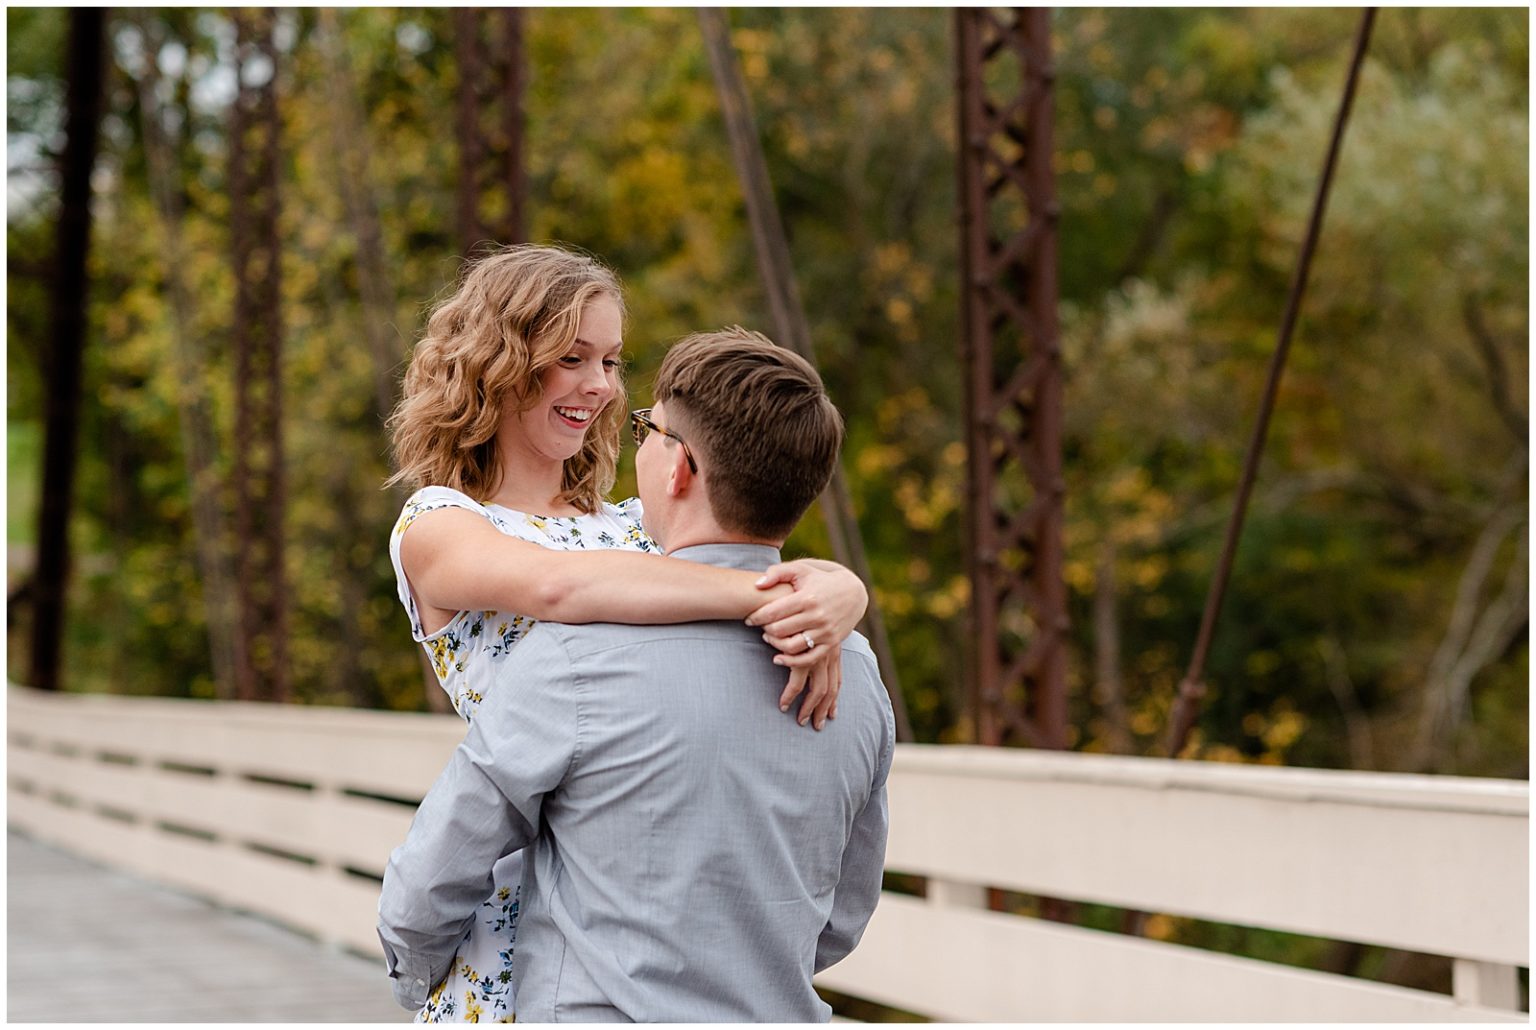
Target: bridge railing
[[291, 812]]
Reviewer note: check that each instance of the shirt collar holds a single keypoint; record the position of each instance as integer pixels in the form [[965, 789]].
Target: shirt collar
[[751, 557]]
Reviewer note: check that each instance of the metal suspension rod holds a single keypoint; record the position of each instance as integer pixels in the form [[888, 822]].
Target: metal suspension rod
[[790, 323], [1192, 688]]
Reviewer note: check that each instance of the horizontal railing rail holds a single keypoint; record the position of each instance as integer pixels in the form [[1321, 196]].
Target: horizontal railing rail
[[291, 812]]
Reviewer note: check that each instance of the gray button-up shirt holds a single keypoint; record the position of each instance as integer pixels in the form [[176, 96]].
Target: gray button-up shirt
[[694, 854]]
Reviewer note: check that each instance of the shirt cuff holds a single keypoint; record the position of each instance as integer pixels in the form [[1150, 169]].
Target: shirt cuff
[[411, 977]]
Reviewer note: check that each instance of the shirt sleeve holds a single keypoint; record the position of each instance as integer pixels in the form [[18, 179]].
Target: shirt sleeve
[[863, 870], [429, 498], [486, 804]]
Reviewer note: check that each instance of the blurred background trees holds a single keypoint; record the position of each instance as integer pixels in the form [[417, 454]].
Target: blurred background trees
[[1378, 614]]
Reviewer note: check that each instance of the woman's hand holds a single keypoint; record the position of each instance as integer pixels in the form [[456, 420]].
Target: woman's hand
[[820, 683], [827, 604], [808, 628]]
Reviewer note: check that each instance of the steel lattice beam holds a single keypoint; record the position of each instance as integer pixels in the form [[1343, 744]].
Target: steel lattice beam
[[1013, 385]]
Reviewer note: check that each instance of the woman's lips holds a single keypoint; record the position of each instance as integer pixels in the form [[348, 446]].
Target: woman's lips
[[574, 423]]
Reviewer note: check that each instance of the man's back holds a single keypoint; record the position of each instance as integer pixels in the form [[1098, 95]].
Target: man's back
[[688, 863]]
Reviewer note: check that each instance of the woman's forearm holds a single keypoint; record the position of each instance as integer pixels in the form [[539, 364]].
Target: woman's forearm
[[456, 561], [642, 589]]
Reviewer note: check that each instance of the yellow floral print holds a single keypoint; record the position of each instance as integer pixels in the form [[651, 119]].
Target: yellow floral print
[[464, 655], [438, 649]]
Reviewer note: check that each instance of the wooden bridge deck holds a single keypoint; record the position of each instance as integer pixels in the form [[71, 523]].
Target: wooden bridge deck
[[88, 944]]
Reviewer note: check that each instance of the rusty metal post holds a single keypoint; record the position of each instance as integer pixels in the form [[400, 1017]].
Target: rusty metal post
[[1012, 352], [261, 671]]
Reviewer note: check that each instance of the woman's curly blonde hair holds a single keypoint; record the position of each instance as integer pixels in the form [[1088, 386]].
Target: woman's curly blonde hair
[[514, 314]]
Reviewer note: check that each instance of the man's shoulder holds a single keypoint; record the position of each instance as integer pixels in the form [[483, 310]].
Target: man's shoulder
[[585, 639], [591, 638], [857, 644], [861, 667]]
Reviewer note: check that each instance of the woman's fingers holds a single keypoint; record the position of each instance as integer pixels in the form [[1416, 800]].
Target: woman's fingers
[[797, 678], [811, 710], [826, 680], [820, 683], [799, 624], [793, 654], [826, 603], [783, 572], [813, 683], [783, 608]]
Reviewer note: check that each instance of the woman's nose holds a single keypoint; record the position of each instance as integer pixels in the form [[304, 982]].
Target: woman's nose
[[596, 379]]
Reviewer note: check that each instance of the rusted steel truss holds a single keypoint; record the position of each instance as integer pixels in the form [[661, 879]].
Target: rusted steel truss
[[1013, 387], [261, 666], [492, 194]]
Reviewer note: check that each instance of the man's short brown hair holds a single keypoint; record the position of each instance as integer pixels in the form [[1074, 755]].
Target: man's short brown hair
[[760, 423]]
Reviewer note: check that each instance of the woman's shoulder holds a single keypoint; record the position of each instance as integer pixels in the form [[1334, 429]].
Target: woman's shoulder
[[629, 533], [431, 498], [630, 509], [440, 497]]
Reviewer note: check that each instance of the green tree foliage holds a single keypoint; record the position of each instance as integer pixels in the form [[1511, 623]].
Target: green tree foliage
[[1188, 144]]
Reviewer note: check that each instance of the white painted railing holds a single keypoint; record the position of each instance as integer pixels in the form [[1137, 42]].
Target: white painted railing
[[291, 812]]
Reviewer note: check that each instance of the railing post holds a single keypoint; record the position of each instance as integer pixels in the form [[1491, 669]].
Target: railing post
[[953, 894], [1485, 984], [327, 861]]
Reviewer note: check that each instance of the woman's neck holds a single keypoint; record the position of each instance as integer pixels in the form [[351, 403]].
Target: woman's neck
[[530, 483]]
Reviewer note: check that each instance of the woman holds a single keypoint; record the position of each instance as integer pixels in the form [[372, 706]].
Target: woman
[[512, 409]]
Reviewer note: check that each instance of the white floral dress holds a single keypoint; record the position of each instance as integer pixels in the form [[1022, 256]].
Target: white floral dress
[[465, 655]]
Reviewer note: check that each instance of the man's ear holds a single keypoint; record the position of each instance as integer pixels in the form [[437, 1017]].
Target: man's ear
[[680, 477]]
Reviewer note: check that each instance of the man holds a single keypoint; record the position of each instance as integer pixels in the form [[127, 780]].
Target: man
[[693, 854]]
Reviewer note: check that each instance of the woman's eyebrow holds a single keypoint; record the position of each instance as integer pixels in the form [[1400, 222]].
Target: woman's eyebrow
[[588, 343]]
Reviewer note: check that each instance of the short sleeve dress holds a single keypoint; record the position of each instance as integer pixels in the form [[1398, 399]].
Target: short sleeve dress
[[465, 655]]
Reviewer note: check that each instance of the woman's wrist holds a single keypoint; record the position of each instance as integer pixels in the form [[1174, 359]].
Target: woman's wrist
[[761, 595]]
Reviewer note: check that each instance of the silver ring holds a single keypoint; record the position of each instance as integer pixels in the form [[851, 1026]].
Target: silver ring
[[809, 643]]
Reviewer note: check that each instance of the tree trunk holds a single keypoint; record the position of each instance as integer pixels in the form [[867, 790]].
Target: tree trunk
[[210, 522], [1490, 351], [262, 673], [376, 292], [1477, 634], [1362, 747], [515, 226], [350, 144], [491, 195], [65, 365], [468, 49], [1108, 687]]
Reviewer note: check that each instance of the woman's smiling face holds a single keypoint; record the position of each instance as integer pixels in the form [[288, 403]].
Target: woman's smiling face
[[578, 386]]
